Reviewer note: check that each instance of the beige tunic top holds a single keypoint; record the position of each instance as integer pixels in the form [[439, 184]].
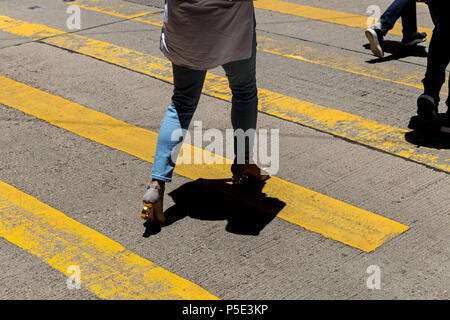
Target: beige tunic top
[[204, 34]]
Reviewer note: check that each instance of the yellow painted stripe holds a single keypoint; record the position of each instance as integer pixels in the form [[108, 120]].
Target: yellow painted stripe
[[107, 268], [124, 10], [325, 15], [355, 128], [311, 210], [286, 49], [334, 60], [120, 9]]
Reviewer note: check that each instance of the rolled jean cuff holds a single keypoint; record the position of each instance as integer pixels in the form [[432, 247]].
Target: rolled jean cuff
[[161, 178]]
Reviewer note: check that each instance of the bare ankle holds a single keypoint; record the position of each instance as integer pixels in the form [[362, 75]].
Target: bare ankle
[[159, 183]]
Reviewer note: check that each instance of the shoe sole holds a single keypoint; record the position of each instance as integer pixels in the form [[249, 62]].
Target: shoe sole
[[374, 43], [414, 42]]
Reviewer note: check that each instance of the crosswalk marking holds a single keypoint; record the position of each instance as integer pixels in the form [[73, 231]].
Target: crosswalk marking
[[311, 210], [107, 268], [354, 128], [284, 7], [334, 60], [286, 49], [326, 15], [121, 10]]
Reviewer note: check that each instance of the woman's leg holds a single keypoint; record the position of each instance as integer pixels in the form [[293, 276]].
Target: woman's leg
[[244, 111], [188, 86]]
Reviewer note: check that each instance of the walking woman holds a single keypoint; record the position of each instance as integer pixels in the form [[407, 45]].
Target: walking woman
[[198, 35]]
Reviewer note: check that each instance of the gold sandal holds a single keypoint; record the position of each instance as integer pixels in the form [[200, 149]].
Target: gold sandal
[[152, 202]]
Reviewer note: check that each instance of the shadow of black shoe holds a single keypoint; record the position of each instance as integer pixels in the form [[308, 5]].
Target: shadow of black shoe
[[428, 138], [246, 208], [397, 51]]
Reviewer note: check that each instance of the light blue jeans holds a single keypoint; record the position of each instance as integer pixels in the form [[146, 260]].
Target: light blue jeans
[[188, 86]]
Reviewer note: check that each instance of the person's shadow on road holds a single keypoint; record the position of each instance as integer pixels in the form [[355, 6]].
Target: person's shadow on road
[[398, 51], [246, 208]]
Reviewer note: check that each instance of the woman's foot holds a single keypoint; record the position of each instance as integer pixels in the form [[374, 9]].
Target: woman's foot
[[153, 200]]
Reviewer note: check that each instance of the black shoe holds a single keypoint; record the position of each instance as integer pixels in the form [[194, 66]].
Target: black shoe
[[375, 37], [427, 118], [413, 39], [426, 106]]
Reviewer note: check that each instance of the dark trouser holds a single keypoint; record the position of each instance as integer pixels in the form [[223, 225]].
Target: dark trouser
[[438, 53], [401, 8]]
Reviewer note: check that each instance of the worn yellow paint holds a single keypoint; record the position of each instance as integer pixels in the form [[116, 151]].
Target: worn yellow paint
[[107, 268], [325, 15], [334, 60], [124, 10], [311, 210], [355, 128], [286, 49], [24, 29], [120, 9]]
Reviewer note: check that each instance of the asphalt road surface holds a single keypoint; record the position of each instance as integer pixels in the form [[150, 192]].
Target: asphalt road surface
[[355, 211]]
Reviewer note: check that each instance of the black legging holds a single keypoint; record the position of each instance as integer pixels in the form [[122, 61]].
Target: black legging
[[438, 53]]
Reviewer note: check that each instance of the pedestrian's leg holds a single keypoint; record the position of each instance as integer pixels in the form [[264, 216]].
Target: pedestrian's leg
[[437, 61], [438, 57], [438, 54], [409, 18], [242, 78], [376, 33], [188, 86], [187, 90], [394, 12], [407, 10]]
